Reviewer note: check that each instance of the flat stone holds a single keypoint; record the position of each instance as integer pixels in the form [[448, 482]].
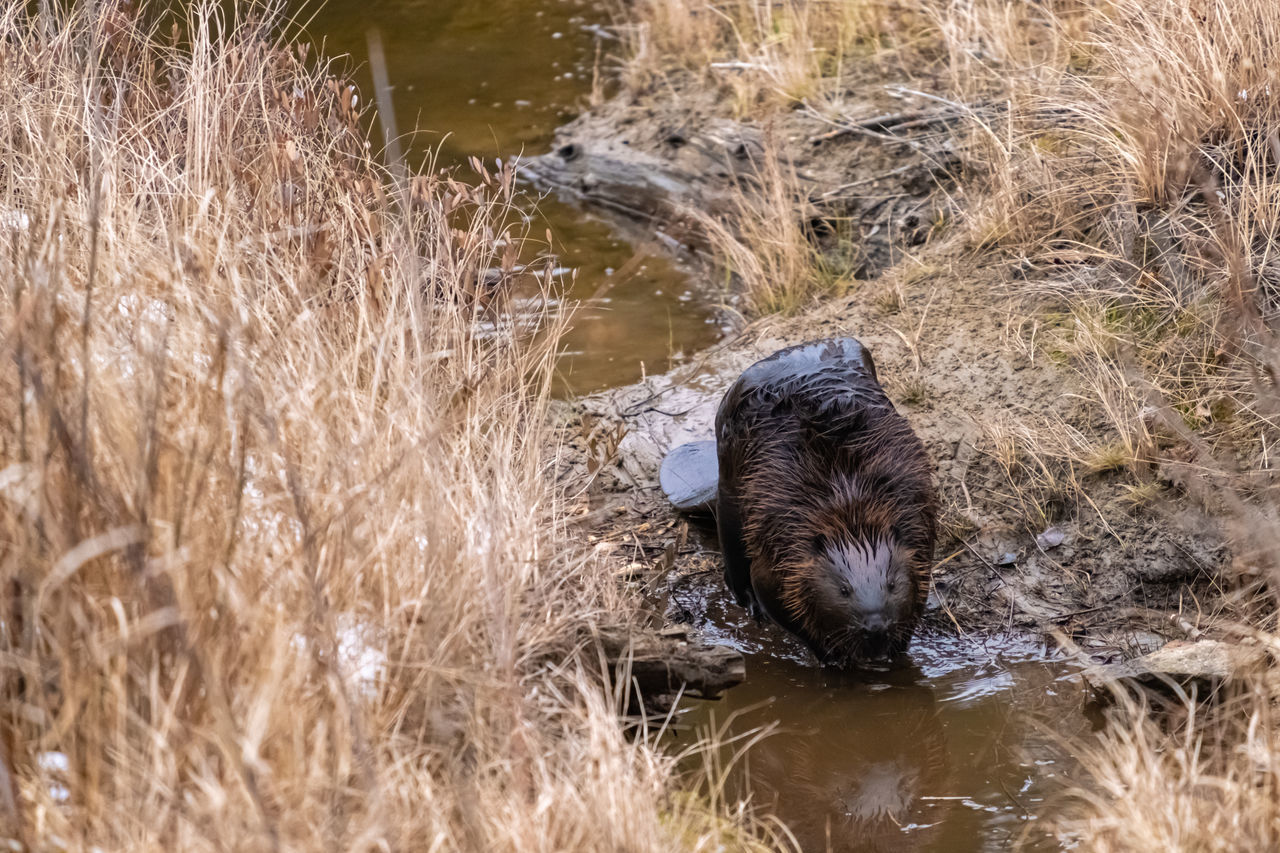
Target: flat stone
[[689, 475]]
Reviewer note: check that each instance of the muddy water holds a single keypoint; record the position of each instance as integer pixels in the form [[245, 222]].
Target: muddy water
[[955, 752], [494, 78], [960, 749]]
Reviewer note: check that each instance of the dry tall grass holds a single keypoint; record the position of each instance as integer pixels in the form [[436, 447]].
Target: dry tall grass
[[1125, 154], [1211, 785], [1145, 169], [1128, 145], [761, 52], [759, 242], [1198, 775], [282, 567]]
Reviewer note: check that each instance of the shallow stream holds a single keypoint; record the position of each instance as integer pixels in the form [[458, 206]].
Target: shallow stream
[[956, 752], [495, 78], [960, 749]]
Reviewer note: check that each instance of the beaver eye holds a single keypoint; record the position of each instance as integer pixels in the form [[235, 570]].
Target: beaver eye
[[892, 584], [845, 592]]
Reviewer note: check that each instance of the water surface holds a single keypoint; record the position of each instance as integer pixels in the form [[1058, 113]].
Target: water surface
[[494, 79], [958, 750]]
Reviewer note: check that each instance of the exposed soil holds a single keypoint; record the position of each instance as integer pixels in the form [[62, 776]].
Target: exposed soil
[[1047, 548]]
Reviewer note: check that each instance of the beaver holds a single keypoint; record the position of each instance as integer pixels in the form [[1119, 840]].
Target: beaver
[[824, 504]]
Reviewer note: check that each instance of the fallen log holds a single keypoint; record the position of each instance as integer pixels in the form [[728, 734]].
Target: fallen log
[[1178, 671], [696, 169], [670, 662]]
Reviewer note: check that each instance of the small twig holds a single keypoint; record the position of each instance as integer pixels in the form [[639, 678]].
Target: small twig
[[877, 126], [957, 105], [739, 65], [941, 602], [843, 130], [870, 180], [1013, 799], [659, 411]]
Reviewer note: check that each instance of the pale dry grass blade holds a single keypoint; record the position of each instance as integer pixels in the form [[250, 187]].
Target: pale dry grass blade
[[283, 567]]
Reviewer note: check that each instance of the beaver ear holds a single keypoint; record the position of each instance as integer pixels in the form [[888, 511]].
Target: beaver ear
[[820, 543]]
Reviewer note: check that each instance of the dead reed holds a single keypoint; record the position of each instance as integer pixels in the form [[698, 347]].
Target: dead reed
[[1121, 156], [1125, 149], [1209, 784], [1201, 773], [1142, 172], [770, 263], [282, 565], [760, 53]]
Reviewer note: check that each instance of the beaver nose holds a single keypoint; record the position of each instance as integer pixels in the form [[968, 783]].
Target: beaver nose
[[876, 645], [875, 636]]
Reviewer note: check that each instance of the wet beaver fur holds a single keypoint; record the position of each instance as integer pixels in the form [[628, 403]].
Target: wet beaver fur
[[826, 508]]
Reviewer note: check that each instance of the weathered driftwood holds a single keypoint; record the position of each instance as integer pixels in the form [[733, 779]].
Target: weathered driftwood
[[694, 170], [633, 184], [1178, 669], [670, 661]]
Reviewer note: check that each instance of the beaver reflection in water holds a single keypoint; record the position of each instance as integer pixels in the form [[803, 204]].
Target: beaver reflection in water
[[854, 762], [825, 506]]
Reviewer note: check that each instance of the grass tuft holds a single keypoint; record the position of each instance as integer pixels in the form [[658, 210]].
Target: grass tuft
[[761, 243], [283, 567]]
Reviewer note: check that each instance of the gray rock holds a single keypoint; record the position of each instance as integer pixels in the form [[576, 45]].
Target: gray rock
[[1051, 538]]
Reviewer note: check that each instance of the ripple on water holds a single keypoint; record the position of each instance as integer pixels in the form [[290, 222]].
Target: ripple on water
[[941, 754]]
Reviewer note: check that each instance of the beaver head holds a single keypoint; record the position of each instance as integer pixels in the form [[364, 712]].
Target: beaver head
[[855, 591], [863, 599]]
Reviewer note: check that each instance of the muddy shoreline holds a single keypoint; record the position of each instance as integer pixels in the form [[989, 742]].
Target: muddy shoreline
[[1027, 545]]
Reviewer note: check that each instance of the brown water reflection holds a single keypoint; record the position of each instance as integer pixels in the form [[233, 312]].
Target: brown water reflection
[[494, 78], [959, 750]]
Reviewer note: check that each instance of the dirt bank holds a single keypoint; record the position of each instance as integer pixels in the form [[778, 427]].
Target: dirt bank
[[1041, 530]]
